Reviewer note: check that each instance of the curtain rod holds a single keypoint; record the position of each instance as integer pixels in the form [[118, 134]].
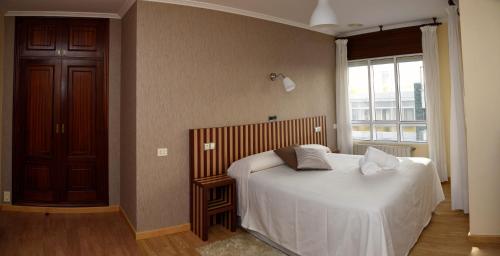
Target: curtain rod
[[433, 23]]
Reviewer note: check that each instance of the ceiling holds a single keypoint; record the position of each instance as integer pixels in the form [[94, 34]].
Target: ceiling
[[370, 13]]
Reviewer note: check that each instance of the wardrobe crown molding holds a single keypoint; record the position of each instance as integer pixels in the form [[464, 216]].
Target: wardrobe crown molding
[[63, 14]]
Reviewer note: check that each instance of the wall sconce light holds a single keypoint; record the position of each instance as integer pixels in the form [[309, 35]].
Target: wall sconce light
[[288, 83]]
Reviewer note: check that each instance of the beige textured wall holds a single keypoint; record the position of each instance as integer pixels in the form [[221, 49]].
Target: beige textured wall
[[480, 20], [114, 108], [201, 68], [128, 180], [2, 122], [8, 81]]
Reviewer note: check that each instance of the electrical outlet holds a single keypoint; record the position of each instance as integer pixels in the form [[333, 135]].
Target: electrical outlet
[[6, 196], [162, 152], [317, 129], [272, 118], [209, 146]]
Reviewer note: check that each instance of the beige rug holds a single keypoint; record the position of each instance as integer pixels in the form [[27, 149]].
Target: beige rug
[[239, 245]]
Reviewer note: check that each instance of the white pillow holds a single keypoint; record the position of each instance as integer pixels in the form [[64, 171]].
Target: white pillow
[[384, 160], [317, 146], [241, 169], [368, 168], [312, 159], [258, 162]]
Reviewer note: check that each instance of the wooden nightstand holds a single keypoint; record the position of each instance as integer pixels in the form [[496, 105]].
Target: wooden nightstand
[[214, 201]]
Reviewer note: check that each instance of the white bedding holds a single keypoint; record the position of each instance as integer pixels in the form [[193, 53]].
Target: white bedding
[[339, 212]]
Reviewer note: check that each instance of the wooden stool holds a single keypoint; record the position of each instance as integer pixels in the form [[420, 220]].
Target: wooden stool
[[213, 196]]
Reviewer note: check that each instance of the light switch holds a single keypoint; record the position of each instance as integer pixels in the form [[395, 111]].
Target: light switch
[[6, 196], [162, 152], [334, 126], [209, 146], [317, 129]]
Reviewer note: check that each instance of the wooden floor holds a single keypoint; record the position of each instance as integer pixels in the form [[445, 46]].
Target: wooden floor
[[447, 234], [65, 234], [108, 234]]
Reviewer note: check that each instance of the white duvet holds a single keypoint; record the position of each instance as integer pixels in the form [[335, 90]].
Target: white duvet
[[339, 212]]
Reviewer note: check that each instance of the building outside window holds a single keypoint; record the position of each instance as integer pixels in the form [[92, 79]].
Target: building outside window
[[387, 99]]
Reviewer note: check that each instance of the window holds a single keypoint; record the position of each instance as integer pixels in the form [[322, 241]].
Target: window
[[387, 99]]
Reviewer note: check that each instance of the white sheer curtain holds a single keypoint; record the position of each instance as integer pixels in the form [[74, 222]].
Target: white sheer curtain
[[344, 130], [458, 141], [435, 128]]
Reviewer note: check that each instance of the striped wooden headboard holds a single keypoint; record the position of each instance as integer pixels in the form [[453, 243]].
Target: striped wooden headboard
[[236, 142]]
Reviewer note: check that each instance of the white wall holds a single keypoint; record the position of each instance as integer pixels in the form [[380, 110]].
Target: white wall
[[480, 20]]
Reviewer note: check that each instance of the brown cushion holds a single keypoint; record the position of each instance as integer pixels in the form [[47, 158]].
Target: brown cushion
[[288, 155]]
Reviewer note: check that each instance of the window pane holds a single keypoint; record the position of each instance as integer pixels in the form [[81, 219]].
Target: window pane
[[384, 89], [361, 131], [411, 87], [414, 132], [359, 94], [385, 132]]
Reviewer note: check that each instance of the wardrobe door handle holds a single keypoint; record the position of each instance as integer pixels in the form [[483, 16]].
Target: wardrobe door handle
[[64, 52], [62, 128], [58, 52]]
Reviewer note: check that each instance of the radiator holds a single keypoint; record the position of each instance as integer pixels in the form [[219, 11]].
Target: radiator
[[400, 150]]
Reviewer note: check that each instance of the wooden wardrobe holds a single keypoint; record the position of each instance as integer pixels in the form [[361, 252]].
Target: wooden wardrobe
[[60, 131]]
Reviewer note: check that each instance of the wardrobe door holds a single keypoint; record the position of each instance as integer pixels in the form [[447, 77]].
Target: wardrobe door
[[84, 139], [39, 37], [60, 112], [85, 38], [35, 140]]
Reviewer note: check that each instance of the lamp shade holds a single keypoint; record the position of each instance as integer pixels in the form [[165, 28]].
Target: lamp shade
[[323, 14], [288, 84]]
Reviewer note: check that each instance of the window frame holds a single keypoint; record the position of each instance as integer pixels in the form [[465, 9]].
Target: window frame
[[398, 122]]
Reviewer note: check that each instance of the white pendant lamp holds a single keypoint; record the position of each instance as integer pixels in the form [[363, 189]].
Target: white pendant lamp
[[323, 15]]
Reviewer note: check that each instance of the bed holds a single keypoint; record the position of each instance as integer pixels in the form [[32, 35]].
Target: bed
[[339, 212]]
